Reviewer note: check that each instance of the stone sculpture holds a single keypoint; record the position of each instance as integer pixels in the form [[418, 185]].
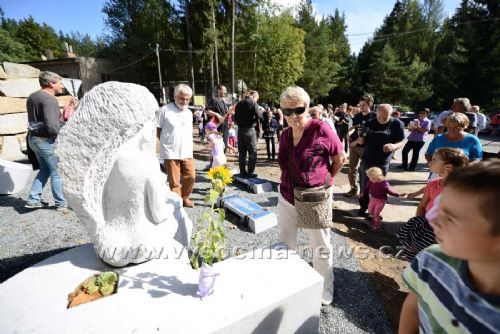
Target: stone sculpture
[[112, 178]]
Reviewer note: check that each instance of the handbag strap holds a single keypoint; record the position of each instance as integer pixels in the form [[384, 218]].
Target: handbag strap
[[291, 163]]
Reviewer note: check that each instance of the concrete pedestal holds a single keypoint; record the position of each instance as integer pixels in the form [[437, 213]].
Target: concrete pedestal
[[267, 291], [258, 186], [257, 218], [13, 176]]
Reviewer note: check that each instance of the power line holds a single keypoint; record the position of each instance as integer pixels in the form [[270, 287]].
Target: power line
[[381, 38], [375, 39], [132, 63]]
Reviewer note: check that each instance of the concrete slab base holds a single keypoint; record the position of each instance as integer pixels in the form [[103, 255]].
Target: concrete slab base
[[255, 184], [13, 176], [257, 218], [265, 291]]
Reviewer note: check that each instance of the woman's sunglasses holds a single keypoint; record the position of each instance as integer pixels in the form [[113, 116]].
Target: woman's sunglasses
[[296, 111]]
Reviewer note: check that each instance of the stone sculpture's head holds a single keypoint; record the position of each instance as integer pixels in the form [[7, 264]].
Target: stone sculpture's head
[[111, 115]]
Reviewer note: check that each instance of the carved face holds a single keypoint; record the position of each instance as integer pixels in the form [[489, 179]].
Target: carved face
[[147, 137]]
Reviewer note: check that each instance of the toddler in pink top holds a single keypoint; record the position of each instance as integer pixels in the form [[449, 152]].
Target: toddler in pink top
[[378, 188]]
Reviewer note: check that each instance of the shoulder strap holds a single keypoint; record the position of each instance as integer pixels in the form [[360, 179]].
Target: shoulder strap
[[291, 164]]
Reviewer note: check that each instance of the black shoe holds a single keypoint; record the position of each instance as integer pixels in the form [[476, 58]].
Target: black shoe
[[253, 176], [411, 169], [362, 213], [402, 167]]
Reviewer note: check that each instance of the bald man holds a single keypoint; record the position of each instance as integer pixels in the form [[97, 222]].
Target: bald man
[[382, 136]]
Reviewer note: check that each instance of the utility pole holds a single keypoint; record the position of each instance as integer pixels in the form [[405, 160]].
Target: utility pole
[[190, 46], [233, 21], [159, 73], [215, 44]]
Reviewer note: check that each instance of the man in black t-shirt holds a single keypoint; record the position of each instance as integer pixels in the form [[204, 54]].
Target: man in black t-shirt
[[246, 116], [356, 149], [217, 111], [382, 136]]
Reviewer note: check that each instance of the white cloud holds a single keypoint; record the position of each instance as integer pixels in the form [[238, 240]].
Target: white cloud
[[285, 4]]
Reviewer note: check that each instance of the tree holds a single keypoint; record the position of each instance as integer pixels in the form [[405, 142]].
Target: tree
[[83, 45], [136, 27], [10, 49], [396, 82], [37, 39], [469, 56], [320, 71], [280, 55], [340, 53]]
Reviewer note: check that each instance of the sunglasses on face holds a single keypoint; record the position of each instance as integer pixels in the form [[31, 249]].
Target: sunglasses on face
[[296, 111]]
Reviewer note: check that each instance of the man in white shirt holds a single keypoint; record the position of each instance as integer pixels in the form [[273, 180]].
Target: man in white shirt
[[481, 120], [175, 132]]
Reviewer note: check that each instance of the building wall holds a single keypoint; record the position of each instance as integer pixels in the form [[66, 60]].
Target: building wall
[[93, 72], [66, 70]]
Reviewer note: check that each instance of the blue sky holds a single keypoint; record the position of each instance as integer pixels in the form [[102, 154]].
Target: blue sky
[[85, 16]]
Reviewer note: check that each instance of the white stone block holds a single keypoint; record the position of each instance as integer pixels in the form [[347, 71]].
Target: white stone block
[[257, 218], [13, 176], [19, 87], [20, 71], [266, 291], [13, 124], [257, 185]]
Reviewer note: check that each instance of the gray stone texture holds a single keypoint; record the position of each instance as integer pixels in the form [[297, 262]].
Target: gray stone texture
[[3, 75], [20, 71], [112, 180], [12, 124], [19, 87]]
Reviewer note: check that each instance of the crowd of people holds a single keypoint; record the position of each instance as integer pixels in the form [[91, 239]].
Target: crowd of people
[[454, 283]]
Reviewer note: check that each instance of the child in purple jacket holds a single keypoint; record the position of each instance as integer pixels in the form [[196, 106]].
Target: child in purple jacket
[[378, 188]]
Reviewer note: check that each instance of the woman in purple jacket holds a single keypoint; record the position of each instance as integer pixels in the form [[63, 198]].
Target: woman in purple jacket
[[314, 144]]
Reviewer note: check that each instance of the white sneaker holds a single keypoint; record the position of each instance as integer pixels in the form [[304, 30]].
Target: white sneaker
[[327, 298]]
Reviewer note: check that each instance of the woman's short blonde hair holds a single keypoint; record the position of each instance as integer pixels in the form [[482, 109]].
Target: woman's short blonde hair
[[375, 173], [457, 119], [295, 94]]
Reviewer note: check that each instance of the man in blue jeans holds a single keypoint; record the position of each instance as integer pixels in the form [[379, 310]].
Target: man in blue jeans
[[44, 124]]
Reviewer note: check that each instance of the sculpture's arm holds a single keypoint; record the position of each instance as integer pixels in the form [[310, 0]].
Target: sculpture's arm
[[156, 190]]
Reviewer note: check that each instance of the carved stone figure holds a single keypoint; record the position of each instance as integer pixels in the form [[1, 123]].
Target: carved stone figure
[[112, 178]]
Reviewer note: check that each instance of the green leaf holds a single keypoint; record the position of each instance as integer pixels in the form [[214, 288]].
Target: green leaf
[[213, 196], [194, 261], [222, 215]]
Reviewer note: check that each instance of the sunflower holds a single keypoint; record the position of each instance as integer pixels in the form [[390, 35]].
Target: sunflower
[[220, 173]]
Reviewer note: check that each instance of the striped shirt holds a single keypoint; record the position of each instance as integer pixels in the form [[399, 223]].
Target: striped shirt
[[447, 301]]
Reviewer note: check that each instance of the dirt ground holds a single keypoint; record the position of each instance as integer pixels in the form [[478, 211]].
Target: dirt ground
[[374, 252]]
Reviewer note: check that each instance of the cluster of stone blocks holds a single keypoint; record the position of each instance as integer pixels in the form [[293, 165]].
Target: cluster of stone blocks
[[17, 82]]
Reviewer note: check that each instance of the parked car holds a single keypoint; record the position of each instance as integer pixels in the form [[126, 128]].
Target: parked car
[[407, 117]]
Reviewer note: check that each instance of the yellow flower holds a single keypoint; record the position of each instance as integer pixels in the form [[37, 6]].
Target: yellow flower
[[220, 173]]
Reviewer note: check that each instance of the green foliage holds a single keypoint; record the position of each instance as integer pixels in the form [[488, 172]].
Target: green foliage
[[320, 70], [90, 285], [279, 61], [104, 283], [10, 49], [37, 38], [136, 27], [209, 239], [396, 82]]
